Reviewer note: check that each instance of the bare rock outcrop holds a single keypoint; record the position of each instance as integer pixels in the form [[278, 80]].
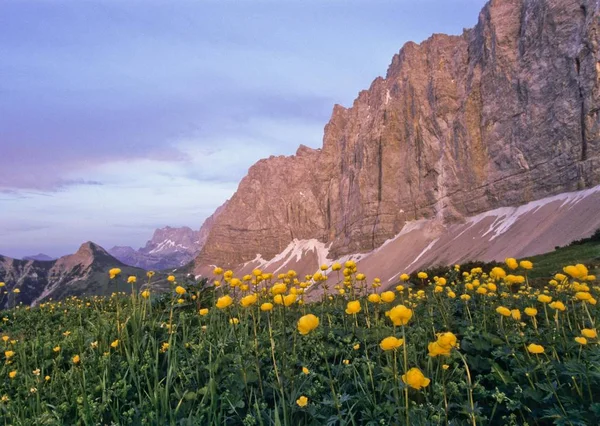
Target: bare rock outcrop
[[501, 115]]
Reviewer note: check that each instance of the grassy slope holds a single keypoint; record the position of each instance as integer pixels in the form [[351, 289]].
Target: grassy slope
[[546, 264]]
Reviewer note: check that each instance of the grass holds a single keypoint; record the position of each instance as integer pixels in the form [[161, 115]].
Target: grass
[[462, 347]]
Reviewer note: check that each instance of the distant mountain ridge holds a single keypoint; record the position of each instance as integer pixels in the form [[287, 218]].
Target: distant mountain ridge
[[169, 247], [83, 273], [40, 256]]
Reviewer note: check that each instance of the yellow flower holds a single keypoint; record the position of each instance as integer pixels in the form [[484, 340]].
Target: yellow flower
[[16, 290], [8, 354], [47, 378], [581, 340], [302, 401], [145, 294], [307, 323], [415, 379], [114, 272], [504, 311], [535, 349], [497, 273], [336, 267], [180, 301], [400, 315], [388, 296], [559, 306], [516, 314], [305, 370], [234, 321], [353, 307], [36, 372], [288, 300], [560, 277], [224, 301], [526, 264], [76, 359], [530, 312], [356, 347], [171, 278], [12, 374], [278, 288], [266, 307], [249, 300], [217, 271], [374, 298], [391, 343], [451, 294], [447, 340], [436, 349], [56, 349], [544, 298], [422, 275], [165, 347], [512, 263], [590, 333], [203, 311], [94, 345], [465, 297], [131, 280], [180, 290], [445, 366], [577, 271], [114, 344], [150, 274], [404, 277], [360, 277], [5, 338], [583, 295]]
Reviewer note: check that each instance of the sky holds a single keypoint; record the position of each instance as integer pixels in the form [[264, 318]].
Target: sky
[[121, 116]]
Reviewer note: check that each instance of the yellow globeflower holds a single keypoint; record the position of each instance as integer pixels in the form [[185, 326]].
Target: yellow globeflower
[[76, 360], [504, 311], [516, 314], [265, 307], [115, 344], [436, 349], [145, 294], [180, 290], [278, 288], [307, 323], [353, 307], [530, 312], [249, 300], [422, 275], [114, 272], [9, 354], [360, 277], [374, 298], [400, 315], [391, 343], [12, 374], [388, 296], [404, 277], [559, 306], [512, 263], [581, 340], [218, 271], [544, 298], [234, 321], [305, 370], [465, 297], [577, 271], [497, 273], [590, 333], [171, 278], [535, 349], [224, 301], [131, 280], [415, 379], [302, 401], [526, 264], [336, 267], [560, 277], [583, 295], [447, 340], [203, 311]]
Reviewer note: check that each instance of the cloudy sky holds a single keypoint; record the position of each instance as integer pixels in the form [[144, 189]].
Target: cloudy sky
[[121, 116]]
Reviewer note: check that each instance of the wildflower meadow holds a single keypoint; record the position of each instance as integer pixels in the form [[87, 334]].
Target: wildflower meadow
[[477, 346]]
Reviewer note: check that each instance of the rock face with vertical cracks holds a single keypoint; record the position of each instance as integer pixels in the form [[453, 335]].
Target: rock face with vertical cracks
[[501, 115]]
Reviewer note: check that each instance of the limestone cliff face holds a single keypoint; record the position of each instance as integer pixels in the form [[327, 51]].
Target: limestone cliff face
[[501, 115]]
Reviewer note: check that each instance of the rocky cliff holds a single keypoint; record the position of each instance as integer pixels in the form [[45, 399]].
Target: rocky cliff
[[501, 115]]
